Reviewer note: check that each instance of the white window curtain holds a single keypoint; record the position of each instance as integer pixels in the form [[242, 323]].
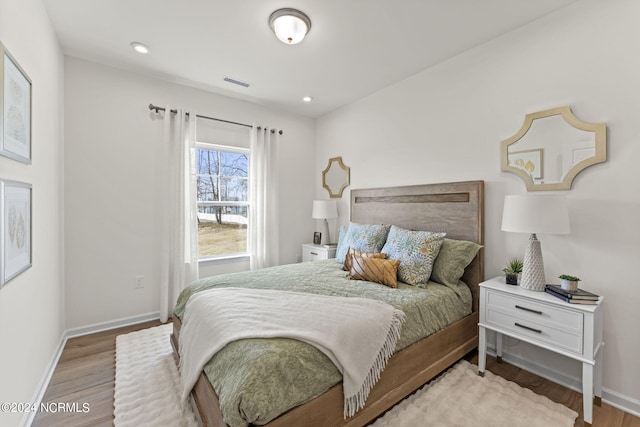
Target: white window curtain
[[179, 259], [263, 195]]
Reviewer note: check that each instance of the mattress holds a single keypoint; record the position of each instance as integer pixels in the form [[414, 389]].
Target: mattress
[[256, 380]]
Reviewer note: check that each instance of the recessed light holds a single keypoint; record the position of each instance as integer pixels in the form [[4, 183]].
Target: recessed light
[[140, 47], [307, 99]]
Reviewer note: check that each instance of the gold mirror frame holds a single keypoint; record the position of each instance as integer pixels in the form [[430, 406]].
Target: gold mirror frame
[[335, 177], [600, 135]]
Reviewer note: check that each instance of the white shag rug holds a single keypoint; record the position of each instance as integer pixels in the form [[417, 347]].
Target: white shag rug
[[147, 393], [461, 398]]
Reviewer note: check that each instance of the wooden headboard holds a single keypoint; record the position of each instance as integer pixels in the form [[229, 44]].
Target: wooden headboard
[[456, 208]]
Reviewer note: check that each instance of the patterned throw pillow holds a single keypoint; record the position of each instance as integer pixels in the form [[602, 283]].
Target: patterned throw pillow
[[453, 258], [341, 233], [355, 252], [362, 237], [416, 251], [379, 270]]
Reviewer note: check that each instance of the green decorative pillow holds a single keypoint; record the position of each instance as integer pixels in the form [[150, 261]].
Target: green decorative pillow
[[353, 252], [379, 270], [454, 257], [416, 251], [362, 237]]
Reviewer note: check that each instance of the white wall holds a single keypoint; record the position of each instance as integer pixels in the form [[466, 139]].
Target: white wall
[[446, 124], [112, 144], [31, 305]]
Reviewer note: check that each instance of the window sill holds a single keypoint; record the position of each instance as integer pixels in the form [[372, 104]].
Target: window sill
[[223, 259]]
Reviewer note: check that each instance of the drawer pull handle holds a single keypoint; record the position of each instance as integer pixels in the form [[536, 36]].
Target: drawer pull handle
[[528, 309], [314, 253], [528, 328]]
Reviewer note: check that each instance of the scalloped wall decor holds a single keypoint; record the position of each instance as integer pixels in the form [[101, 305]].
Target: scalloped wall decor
[[552, 147]]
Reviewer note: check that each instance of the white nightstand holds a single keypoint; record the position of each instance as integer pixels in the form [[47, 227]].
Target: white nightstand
[[573, 330], [312, 252]]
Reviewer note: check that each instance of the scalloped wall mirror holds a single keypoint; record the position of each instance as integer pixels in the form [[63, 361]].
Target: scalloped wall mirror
[[335, 177], [552, 147]]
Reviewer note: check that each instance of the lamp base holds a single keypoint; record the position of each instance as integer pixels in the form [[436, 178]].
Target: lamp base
[[325, 239], [533, 269]]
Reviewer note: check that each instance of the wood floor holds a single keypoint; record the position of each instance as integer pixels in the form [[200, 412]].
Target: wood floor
[[86, 374]]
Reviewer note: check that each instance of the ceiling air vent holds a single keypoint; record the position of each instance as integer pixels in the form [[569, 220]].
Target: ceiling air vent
[[236, 82]]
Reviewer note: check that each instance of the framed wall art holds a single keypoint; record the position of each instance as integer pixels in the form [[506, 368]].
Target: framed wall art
[[15, 109], [15, 206]]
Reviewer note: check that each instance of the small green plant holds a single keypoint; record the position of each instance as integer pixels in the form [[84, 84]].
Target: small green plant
[[514, 266], [569, 278]]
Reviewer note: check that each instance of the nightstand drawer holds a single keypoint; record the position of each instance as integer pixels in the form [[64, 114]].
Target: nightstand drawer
[[311, 252], [312, 255], [541, 313], [552, 334]]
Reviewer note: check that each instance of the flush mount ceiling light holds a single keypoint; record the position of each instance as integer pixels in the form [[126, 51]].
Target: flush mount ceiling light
[[307, 99], [290, 25], [140, 47]]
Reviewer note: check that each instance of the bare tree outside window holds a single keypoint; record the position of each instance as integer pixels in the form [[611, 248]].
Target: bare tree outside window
[[222, 197]]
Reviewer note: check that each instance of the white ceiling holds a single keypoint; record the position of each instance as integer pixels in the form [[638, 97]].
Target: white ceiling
[[354, 48]]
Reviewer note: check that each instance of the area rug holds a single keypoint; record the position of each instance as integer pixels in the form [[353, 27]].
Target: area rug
[[147, 382], [147, 393], [461, 398]]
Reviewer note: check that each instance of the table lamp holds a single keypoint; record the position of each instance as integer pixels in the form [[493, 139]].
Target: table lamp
[[535, 214], [323, 209]]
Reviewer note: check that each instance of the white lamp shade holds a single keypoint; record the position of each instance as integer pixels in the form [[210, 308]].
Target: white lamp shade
[[323, 209], [535, 214]]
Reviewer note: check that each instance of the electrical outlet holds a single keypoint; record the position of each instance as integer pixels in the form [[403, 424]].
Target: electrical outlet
[[139, 282]]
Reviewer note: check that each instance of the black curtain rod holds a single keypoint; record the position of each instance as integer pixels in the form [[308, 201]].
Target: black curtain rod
[[156, 108]]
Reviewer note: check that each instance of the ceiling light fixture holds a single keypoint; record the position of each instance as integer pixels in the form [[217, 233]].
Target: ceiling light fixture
[[307, 99], [290, 25], [140, 47]]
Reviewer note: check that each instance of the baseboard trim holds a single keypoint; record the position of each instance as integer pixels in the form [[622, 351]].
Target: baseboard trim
[[613, 398], [28, 417], [112, 324], [621, 401]]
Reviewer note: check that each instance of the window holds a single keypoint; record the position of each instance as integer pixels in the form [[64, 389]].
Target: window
[[222, 198]]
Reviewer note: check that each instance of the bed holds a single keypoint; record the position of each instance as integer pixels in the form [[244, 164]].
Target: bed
[[455, 208]]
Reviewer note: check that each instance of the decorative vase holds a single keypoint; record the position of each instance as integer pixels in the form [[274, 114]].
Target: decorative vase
[[569, 285]]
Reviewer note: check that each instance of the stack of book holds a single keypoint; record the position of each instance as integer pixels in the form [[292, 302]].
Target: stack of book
[[579, 296]]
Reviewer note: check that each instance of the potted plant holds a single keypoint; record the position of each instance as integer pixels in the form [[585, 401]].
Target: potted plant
[[512, 271], [568, 282]]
